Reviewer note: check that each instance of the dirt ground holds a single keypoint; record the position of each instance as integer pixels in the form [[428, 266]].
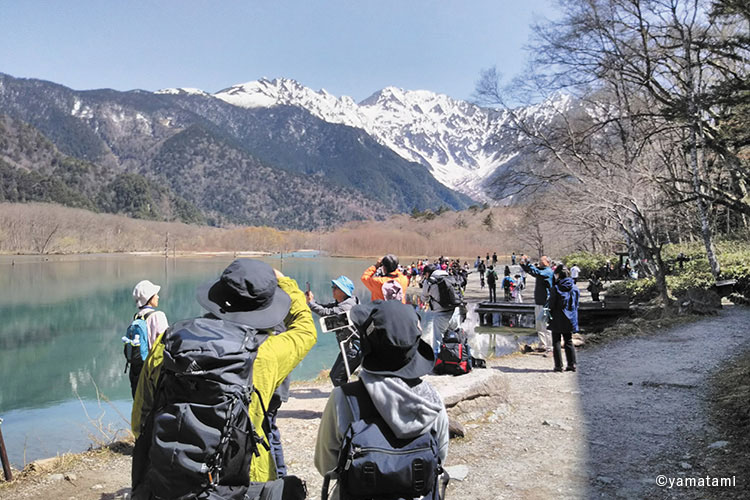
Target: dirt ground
[[635, 410]]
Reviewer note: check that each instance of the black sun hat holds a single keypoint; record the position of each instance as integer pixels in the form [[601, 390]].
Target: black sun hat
[[247, 292], [391, 343]]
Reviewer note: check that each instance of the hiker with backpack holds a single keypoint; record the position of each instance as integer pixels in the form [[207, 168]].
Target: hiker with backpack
[[385, 281], [385, 435], [492, 283], [215, 375], [343, 300], [508, 284], [147, 325], [441, 294], [564, 300]]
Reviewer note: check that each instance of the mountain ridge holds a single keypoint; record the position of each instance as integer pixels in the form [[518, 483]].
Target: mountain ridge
[[126, 131]]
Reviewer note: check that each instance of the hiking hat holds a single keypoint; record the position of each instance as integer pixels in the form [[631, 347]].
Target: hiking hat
[[344, 284], [143, 292], [247, 292], [391, 343]]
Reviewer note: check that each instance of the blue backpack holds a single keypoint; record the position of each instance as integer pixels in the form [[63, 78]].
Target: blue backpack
[[136, 339]]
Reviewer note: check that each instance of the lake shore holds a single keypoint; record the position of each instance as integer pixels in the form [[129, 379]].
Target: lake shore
[[605, 431], [520, 418]]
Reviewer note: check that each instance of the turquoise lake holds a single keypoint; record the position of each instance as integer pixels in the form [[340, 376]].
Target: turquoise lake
[[61, 362]]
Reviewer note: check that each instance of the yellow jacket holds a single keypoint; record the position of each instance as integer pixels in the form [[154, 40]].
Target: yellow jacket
[[276, 359]]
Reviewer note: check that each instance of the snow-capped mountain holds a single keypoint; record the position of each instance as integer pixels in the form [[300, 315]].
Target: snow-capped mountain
[[450, 137]]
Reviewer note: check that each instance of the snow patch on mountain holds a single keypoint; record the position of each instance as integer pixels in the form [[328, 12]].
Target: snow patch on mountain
[[446, 135], [182, 91], [456, 140]]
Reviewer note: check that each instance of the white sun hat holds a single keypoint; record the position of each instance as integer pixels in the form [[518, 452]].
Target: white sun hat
[[143, 292]]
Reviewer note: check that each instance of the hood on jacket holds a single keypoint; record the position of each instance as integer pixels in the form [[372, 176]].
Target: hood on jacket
[[565, 284], [409, 410]]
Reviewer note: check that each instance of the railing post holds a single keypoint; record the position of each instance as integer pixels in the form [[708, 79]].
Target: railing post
[[4, 456]]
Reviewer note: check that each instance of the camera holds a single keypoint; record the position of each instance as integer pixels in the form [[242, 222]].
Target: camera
[[335, 322]]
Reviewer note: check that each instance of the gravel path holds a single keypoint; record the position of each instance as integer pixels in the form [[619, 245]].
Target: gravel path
[[635, 409]]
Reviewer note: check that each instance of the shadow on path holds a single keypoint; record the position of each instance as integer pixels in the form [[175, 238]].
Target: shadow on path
[[309, 394], [508, 369], [301, 414]]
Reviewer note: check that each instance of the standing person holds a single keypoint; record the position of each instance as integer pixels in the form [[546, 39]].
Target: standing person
[[508, 284], [487, 260], [481, 269], [343, 300], [146, 295], [251, 294], [513, 259], [476, 262], [385, 281], [595, 287], [607, 271], [442, 312], [494, 258], [391, 394], [518, 290], [564, 322], [492, 283], [574, 272], [542, 289]]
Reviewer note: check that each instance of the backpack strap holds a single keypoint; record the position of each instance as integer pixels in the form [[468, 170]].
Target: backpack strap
[[142, 315], [358, 400]]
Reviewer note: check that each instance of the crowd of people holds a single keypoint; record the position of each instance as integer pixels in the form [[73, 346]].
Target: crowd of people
[[258, 326]]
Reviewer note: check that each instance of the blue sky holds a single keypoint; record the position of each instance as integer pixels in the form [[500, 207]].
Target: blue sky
[[349, 48]]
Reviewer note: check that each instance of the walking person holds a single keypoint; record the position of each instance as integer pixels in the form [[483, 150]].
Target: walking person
[[343, 300], [564, 317], [574, 272]]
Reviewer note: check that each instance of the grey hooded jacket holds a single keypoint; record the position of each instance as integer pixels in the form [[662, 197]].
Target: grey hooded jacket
[[408, 411]]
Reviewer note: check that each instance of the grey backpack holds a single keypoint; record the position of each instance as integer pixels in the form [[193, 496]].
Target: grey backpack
[[375, 464]]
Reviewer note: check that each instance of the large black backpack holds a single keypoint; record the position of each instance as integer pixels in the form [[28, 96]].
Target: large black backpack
[[449, 289], [454, 357], [198, 439], [376, 465]]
